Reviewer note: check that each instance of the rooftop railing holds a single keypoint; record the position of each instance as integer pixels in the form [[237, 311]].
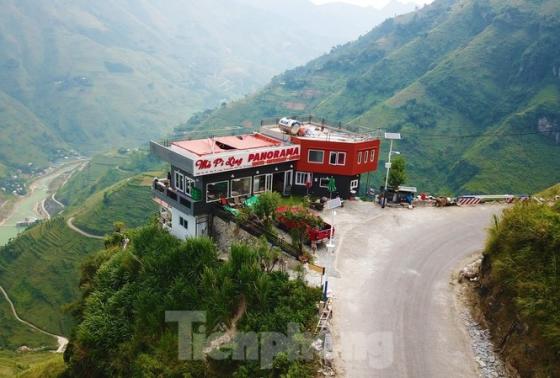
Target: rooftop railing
[[337, 129], [351, 130]]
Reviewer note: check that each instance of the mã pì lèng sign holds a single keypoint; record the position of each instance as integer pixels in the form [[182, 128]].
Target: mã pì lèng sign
[[223, 162]]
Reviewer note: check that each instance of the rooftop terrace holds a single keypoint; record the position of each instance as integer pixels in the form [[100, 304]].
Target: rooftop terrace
[[312, 128], [215, 145]]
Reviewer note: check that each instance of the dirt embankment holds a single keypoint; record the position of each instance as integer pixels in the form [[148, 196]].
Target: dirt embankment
[[518, 343]]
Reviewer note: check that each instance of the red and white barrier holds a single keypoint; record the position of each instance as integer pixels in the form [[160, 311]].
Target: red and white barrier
[[468, 201]]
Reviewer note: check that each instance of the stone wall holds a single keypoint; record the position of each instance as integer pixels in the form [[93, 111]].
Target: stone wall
[[227, 233]]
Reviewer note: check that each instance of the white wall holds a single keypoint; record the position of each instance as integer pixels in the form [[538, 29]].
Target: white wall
[[179, 231], [192, 230]]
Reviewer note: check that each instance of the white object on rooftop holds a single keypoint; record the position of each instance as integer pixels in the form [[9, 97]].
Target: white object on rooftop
[[289, 126], [394, 136]]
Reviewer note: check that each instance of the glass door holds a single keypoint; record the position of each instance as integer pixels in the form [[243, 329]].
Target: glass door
[[287, 182], [268, 183]]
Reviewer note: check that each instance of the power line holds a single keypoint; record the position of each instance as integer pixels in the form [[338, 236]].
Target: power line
[[481, 135]]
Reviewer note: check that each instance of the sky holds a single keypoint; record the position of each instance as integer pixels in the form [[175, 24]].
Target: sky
[[374, 3]]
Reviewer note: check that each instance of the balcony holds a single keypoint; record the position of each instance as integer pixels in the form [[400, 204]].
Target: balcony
[[162, 190]]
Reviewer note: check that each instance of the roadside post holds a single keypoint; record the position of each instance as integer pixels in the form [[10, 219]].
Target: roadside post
[[331, 204]]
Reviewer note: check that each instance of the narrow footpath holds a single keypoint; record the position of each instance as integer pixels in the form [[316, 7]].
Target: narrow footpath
[[61, 340]]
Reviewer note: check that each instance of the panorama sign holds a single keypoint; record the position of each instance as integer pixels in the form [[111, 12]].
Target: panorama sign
[[244, 159]]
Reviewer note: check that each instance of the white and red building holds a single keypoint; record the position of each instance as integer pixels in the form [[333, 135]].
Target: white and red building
[[299, 160]]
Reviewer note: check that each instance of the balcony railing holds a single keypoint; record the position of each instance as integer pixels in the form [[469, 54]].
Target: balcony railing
[[357, 131], [189, 205], [162, 186]]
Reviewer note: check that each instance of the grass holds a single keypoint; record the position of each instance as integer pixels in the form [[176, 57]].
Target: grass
[[30, 364], [40, 272], [128, 201], [551, 192], [520, 286], [291, 200], [101, 172], [15, 334]]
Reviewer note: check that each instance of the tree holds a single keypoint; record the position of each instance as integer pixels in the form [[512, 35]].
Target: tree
[[266, 207], [136, 286], [268, 255], [397, 174]]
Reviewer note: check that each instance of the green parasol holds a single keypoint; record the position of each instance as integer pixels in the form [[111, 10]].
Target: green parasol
[[331, 186]]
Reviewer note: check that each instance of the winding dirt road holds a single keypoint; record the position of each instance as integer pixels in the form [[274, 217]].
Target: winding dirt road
[[395, 314], [70, 224], [61, 340]]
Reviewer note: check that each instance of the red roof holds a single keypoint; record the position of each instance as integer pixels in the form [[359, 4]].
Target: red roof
[[227, 143]]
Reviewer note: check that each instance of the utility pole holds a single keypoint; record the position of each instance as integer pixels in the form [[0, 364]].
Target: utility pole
[[388, 165], [391, 137]]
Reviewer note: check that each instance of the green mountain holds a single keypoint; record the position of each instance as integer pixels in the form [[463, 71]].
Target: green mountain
[[473, 86], [40, 268], [40, 271], [35, 144], [90, 75], [128, 201]]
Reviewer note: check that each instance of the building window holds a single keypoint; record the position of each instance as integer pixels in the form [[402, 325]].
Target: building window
[[241, 187], [315, 156], [324, 182], [259, 184], [217, 190], [360, 157], [354, 184], [337, 158], [183, 222], [302, 178], [365, 156], [179, 181], [189, 185], [372, 156]]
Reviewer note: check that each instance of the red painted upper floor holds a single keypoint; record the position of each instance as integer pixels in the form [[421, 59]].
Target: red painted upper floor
[[338, 158]]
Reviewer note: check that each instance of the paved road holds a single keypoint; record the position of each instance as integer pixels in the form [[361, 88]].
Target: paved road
[[394, 313]]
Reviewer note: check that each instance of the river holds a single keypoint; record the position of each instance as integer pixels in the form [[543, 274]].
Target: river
[[26, 206]]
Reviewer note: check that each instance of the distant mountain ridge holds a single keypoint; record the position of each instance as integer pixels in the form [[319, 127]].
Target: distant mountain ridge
[[473, 86], [91, 75]]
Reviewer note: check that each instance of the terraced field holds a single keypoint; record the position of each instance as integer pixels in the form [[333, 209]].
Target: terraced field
[[40, 271], [101, 172], [128, 201]]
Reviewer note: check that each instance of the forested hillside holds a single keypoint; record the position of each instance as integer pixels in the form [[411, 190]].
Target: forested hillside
[[40, 270], [473, 86], [90, 75], [40, 267], [122, 329]]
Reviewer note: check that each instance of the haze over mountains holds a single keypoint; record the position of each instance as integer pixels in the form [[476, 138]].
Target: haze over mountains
[[90, 75], [473, 86]]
